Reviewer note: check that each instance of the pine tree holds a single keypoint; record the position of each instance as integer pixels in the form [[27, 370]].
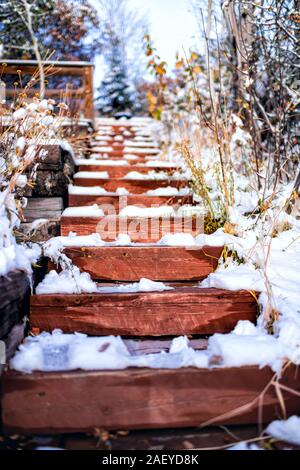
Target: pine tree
[[115, 94]]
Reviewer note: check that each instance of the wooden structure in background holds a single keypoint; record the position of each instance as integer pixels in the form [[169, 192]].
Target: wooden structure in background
[[83, 96]]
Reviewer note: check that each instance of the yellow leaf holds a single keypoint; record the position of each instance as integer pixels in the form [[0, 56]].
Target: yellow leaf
[[160, 70], [179, 64], [197, 69], [230, 228]]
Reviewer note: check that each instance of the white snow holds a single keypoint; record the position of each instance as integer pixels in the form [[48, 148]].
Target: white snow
[[245, 446], [285, 430], [92, 174], [13, 256], [98, 162], [57, 351], [95, 191], [153, 175], [122, 191], [140, 143], [104, 149], [245, 350], [169, 191], [188, 210], [146, 151], [144, 285], [83, 211], [72, 281], [235, 277], [66, 282], [87, 190], [136, 211], [177, 239], [161, 164]]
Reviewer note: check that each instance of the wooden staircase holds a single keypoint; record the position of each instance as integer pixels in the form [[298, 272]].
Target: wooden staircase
[[80, 401]]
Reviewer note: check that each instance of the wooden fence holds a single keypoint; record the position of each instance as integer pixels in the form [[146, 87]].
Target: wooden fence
[[79, 98]]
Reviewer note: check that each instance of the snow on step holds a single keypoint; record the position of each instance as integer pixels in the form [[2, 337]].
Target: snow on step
[[121, 197], [98, 190], [140, 229], [181, 310], [98, 162], [141, 151], [120, 171], [134, 186]]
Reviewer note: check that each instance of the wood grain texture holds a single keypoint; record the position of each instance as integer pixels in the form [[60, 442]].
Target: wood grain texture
[[159, 263], [140, 229], [132, 185], [14, 300], [182, 311], [49, 403], [43, 208], [118, 202]]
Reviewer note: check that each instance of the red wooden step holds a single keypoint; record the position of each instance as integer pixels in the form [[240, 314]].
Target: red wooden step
[[159, 263], [132, 199], [119, 151], [144, 230], [113, 147], [70, 402], [115, 171], [181, 311], [132, 185], [111, 153]]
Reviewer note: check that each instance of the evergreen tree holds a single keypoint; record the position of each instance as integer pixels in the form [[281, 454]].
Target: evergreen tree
[[115, 94]]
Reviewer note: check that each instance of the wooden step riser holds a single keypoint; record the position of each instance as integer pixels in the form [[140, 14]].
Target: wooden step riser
[[156, 263], [110, 142], [181, 311], [119, 202], [143, 230], [70, 402], [139, 160], [133, 186], [121, 171], [121, 145]]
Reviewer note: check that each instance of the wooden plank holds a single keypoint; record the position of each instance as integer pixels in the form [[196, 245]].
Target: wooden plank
[[68, 402], [137, 347], [159, 263], [132, 199], [132, 185], [14, 300], [43, 208], [50, 183], [12, 340], [144, 230], [115, 171], [182, 311]]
